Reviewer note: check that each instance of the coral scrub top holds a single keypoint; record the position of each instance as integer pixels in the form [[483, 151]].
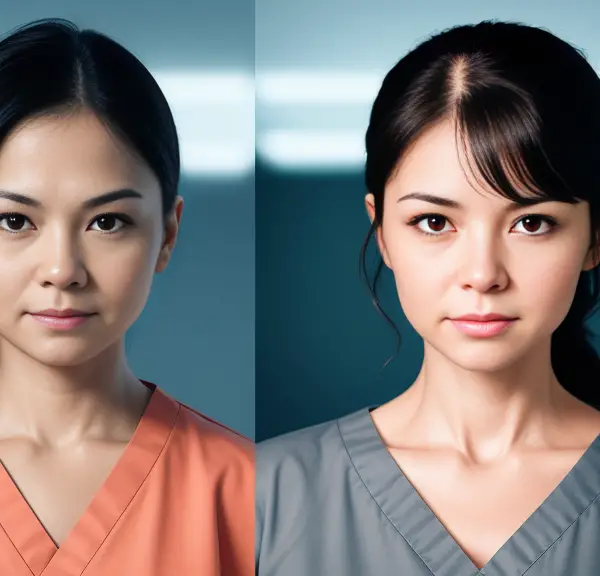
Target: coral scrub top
[[179, 501]]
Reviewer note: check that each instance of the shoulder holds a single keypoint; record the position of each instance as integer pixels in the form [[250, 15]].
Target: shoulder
[[213, 442], [213, 471], [298, 463], [296, 475], [308, 449], [199, 445], [299, 449]]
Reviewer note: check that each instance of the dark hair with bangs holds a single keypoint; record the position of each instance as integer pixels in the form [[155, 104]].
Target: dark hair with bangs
[[526, 106]]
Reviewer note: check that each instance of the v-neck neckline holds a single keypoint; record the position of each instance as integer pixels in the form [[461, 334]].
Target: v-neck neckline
[[31, 539], [416, 522]]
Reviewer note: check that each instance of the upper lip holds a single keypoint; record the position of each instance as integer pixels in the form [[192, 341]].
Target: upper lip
[[61, 313], [484, 317]]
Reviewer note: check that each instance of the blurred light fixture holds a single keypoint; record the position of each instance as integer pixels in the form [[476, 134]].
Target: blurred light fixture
[[214, 115], [312, 150], [314, 121], [303, 88]]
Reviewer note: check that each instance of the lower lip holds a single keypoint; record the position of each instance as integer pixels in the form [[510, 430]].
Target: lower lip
[[65, 323], [482, 329]]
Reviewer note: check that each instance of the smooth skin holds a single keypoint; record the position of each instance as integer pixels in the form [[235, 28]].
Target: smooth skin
[[69, 402], [486, 432]]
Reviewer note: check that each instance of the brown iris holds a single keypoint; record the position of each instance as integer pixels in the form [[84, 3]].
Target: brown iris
[[107, 222], [436, 223], [532, 223], [15, 222]]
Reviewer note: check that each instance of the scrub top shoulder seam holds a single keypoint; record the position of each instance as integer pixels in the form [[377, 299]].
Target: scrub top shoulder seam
[[375, 500]]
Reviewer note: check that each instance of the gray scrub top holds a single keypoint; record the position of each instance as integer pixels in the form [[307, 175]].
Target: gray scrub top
[[331, 501]]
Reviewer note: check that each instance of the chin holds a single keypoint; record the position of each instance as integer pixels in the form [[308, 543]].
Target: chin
[[66, 356], [59, 352], [484, 365], [485, 357]]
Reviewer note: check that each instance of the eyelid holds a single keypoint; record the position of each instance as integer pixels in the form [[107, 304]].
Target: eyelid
[[424, 216], [125, 220]]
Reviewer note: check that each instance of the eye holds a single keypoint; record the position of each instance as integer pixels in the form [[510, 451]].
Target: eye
[[431, 224], [110, 223], [14, 223], [535, 225]]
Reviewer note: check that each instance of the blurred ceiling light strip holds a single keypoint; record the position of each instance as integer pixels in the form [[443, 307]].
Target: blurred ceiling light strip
[[205, 87], [211, 158], [214, 114], [317, 87], [313, 149]]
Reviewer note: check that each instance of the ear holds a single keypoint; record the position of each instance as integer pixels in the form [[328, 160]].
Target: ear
[[592, 258], [370, 206], [172, 223]]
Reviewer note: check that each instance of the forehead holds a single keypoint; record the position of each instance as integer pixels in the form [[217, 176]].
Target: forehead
[[73, 154], [436, 164]]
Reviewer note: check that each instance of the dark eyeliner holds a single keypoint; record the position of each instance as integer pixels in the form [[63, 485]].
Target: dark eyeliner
[[414, 221], [124, 218]]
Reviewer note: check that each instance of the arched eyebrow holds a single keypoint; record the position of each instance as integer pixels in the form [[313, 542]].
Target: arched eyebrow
[[94, 202], [448, 203]]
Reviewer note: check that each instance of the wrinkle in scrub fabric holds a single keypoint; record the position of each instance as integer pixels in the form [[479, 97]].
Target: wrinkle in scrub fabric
[[331, 500], [180, 501]]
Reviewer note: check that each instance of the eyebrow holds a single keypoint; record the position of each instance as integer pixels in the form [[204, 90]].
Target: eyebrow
[[448, 203], [94, 202]]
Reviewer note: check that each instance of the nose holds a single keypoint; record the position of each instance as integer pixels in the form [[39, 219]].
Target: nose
[[61, 264], [483, 269]]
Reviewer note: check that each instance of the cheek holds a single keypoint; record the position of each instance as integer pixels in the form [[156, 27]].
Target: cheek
[[547, 287], [124, 275], [418, 275], [16, 272]]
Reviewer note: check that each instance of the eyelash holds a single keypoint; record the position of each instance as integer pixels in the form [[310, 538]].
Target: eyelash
[[421, 217], [125, 220]]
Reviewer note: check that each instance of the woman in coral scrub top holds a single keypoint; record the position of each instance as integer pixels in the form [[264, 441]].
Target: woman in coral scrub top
[[101, 474]]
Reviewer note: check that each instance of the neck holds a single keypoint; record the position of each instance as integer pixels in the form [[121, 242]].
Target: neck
[[485, 415], [61, 406]]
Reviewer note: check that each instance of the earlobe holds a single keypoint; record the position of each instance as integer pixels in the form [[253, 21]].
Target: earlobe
[[163, 259], [170, 236], [592, 258], [370, 206], [382, 248], [591, 261], [166, 250]]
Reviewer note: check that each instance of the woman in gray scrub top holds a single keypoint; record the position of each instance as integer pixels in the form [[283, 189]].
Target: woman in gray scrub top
[[483, 173]]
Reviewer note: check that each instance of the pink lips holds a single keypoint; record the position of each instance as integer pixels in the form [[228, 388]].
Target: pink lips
[[63, 320], [482, 326]]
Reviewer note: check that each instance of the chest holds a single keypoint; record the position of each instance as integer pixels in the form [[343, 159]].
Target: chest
[[482, 508], [58, 487]]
